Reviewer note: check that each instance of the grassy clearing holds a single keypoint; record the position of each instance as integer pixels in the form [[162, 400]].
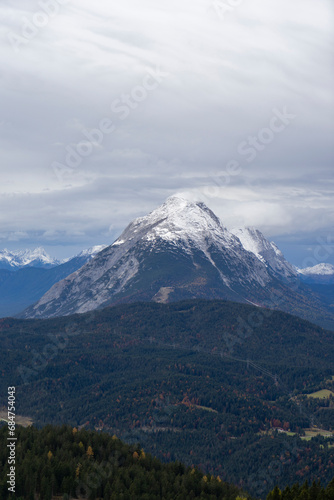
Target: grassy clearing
[[323, 394], [206, 408], [310, 433], [191, 405], [271, 431], [19, 419]]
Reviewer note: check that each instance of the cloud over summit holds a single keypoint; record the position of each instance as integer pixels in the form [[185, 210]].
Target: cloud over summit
[[226, 70]]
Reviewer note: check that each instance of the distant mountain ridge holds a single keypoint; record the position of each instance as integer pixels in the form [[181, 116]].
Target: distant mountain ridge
[[13, 260], [22, 286], [320, 274], [181, 250], [38, 258]]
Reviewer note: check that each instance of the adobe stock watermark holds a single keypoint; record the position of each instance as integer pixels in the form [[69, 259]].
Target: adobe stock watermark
[[321, 253], [122, 107], [223, 7], [57, 342], [40, 360], [250, 148], [32, 25], [101, 473], [278, 298], [267, 477]]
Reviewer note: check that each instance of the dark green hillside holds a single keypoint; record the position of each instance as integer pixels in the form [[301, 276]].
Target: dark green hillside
[[64, 462], [210, 383], [304, 491], [81, 464]]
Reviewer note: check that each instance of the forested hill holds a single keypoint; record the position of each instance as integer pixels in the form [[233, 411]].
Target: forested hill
[[69, 463], [223, 386]]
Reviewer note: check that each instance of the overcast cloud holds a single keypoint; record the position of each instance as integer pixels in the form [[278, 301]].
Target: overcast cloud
[[230, 105]]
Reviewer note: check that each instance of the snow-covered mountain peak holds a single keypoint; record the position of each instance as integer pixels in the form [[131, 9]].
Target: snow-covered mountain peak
[[322, 269], [22, 258], [322, 273], [179, 221], [266, 251], [179, 212], [39, 254], [92, 251]]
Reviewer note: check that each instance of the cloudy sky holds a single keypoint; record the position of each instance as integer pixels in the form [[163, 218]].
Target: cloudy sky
[[108, 108]]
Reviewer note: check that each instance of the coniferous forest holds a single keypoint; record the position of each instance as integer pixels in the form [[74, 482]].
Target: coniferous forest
[[195, 382], [67, 463]]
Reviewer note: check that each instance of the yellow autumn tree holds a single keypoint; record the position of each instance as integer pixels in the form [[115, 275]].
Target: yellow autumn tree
[[50, 455], [90, 452], [135, 455], [77, 471]]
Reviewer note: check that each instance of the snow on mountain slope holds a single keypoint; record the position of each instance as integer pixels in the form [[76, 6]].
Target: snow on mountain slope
[[18, 259], [321, 273], [187, 226], [146, 257], [320, 270], [86, 254], [92, 251], [24, 258], [179, 251], [266, 251], [20, 289]]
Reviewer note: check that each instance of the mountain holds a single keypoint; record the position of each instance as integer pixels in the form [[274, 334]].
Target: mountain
[[74, 263], [180, 250], [21, 287], [319, 274], [320, 279], [26, 258], [90, 252], [266, 251]]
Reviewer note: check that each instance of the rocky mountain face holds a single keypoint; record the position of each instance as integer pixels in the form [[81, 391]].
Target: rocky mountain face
[[266, 251], [180, 250]]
